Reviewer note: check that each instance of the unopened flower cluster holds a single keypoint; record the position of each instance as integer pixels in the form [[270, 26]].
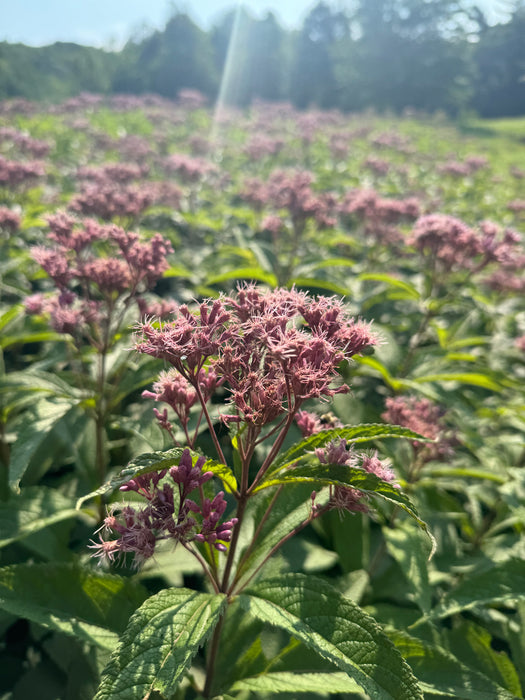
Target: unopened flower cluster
[[170, 514]]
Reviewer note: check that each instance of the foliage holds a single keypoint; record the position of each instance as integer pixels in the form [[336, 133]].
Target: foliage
[[174, 398]]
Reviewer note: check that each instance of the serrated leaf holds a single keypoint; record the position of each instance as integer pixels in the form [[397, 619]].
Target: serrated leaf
[[439, 672], [92, 606], [319, 475], [157, 461], [37, 426], [33, 509], [337, 630], [352, 434], [502, 583], [282, 682], [408, 546], [159, 643]]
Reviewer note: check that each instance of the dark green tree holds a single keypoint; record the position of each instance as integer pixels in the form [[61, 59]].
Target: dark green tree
[[500, 63], [313, 74], [167, 61], [412, 53]]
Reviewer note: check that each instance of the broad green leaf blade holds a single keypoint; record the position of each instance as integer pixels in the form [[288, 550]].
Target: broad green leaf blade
[[314, 283], [159, 644], [502, 583], [33, 509], [439, 672], [335, 628], [410, 290], [243, 273], [154, 462], [289, 509], [310, 471], [375, 364], [145, 463], [35, 381], [331, 263], [472, 645], [222, 472], [471, 378], [92, 606], [282, 682], [438, 471], [411, 549], [37, 426], [352, 434]]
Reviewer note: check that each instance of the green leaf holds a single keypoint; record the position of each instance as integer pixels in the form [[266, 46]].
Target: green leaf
[[333, 262], [352, 434], [437, 471], [472, 645], [33, 509], [288, 509], [374, 363], [471, 378], [411, 550], [314, 283], [156, 461], [33, 381], [410, 290], [90, 605], [242, 273], [31, 337], [285, 682], [319, 475], [502, 583], [36, 428], [337, 630], [222, 472], [159, 644], [439, 672]]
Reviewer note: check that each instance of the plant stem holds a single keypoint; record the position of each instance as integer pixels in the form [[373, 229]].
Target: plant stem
[[212, 658], [209, 422]]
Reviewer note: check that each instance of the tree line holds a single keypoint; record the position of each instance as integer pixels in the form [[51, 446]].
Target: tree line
[[388, 55]]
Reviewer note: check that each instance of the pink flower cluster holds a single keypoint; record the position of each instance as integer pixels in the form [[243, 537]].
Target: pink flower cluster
[[108, 200], [423, 417], [14, 173], [112, 172], [464, 168], [164, 518], [455, 245], [89, 283], [272, 350], [379, 214], [261, 146], [9, 220], [24, 143], [190, 169]]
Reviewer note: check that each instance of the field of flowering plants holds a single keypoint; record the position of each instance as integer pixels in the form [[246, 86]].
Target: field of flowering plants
[[262, 405]]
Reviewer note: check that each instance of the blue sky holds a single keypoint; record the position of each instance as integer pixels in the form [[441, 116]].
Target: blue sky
[[109, 23]]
